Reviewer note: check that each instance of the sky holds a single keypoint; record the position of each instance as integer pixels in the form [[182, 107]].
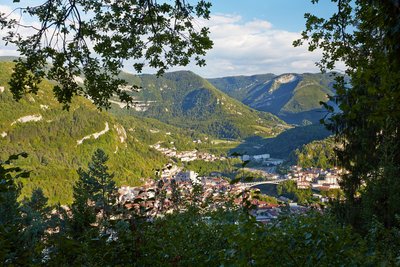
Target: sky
[[256, 36], [250, 37]]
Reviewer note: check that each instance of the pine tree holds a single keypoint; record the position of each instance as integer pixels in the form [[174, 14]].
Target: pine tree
[[84, 215], [12, 248], [95, 190], [36, 219]]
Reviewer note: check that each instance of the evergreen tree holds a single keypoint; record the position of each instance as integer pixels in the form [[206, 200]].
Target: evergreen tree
[[13, 249], [96, 186], [83, 241], [83, 211], [36, 219]]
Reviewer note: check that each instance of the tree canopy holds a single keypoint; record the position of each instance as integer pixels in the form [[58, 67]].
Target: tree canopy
[[95, 38], [364, 35]]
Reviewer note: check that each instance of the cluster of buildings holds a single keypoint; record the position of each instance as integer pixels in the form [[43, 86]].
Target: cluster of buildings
[[156, 198], [263, 159], [315, 178], [176, 188], [186, 156]]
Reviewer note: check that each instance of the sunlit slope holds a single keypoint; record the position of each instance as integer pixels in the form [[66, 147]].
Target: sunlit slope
[[59, 141], [186, 100], [292, 97]]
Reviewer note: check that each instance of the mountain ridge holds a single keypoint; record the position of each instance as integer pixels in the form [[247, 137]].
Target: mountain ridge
[[292, 97], [186, 100]]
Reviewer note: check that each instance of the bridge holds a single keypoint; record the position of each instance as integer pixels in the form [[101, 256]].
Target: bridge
[[251, 184]]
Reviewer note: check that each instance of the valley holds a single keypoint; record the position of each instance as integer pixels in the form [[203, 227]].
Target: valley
[[179, 119], [294, 98]]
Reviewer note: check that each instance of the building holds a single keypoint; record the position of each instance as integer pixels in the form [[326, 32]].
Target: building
[[188, 176], [261, 157]]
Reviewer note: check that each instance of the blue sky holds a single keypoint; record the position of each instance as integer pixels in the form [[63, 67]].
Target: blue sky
[[283, 14], [256, 36], [250, 37]]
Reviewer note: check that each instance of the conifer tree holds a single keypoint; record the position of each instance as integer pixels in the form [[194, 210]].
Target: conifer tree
[[12, 249], [83, 212], [95, 187], [36, 219]]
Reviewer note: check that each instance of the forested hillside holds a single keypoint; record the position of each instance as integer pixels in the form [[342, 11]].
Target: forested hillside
[[186, 100], [319, 154], [239, 86], [292, 97], [59, 141]]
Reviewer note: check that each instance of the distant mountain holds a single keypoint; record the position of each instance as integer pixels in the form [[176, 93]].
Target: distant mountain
[[292, 97], [186, 100], [239, 86], [7, 58]]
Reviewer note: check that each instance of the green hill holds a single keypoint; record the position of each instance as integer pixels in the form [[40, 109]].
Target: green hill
[[186, 100], [292, 97], [319, 153], [59, 142], [239, 86], [175, 110]]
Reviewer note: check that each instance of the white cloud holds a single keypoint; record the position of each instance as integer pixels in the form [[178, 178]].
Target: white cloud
[[240, 48], [245, 48], [11, 49], [8, 11]]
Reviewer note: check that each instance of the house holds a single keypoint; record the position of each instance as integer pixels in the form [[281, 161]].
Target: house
[[188, 176], [261, 157], [275, 161], [245, 157], [303, 184]]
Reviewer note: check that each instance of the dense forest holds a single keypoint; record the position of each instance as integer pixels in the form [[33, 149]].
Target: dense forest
[[318, 154], [188, 101]]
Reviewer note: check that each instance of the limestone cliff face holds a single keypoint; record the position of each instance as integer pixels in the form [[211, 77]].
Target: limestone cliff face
[[283, 79], [293, 97]]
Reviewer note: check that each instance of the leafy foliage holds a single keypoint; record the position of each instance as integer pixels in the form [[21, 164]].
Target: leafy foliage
[[289, 189], [195, 236], [95, 38], [364, 35], [22, 225]]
